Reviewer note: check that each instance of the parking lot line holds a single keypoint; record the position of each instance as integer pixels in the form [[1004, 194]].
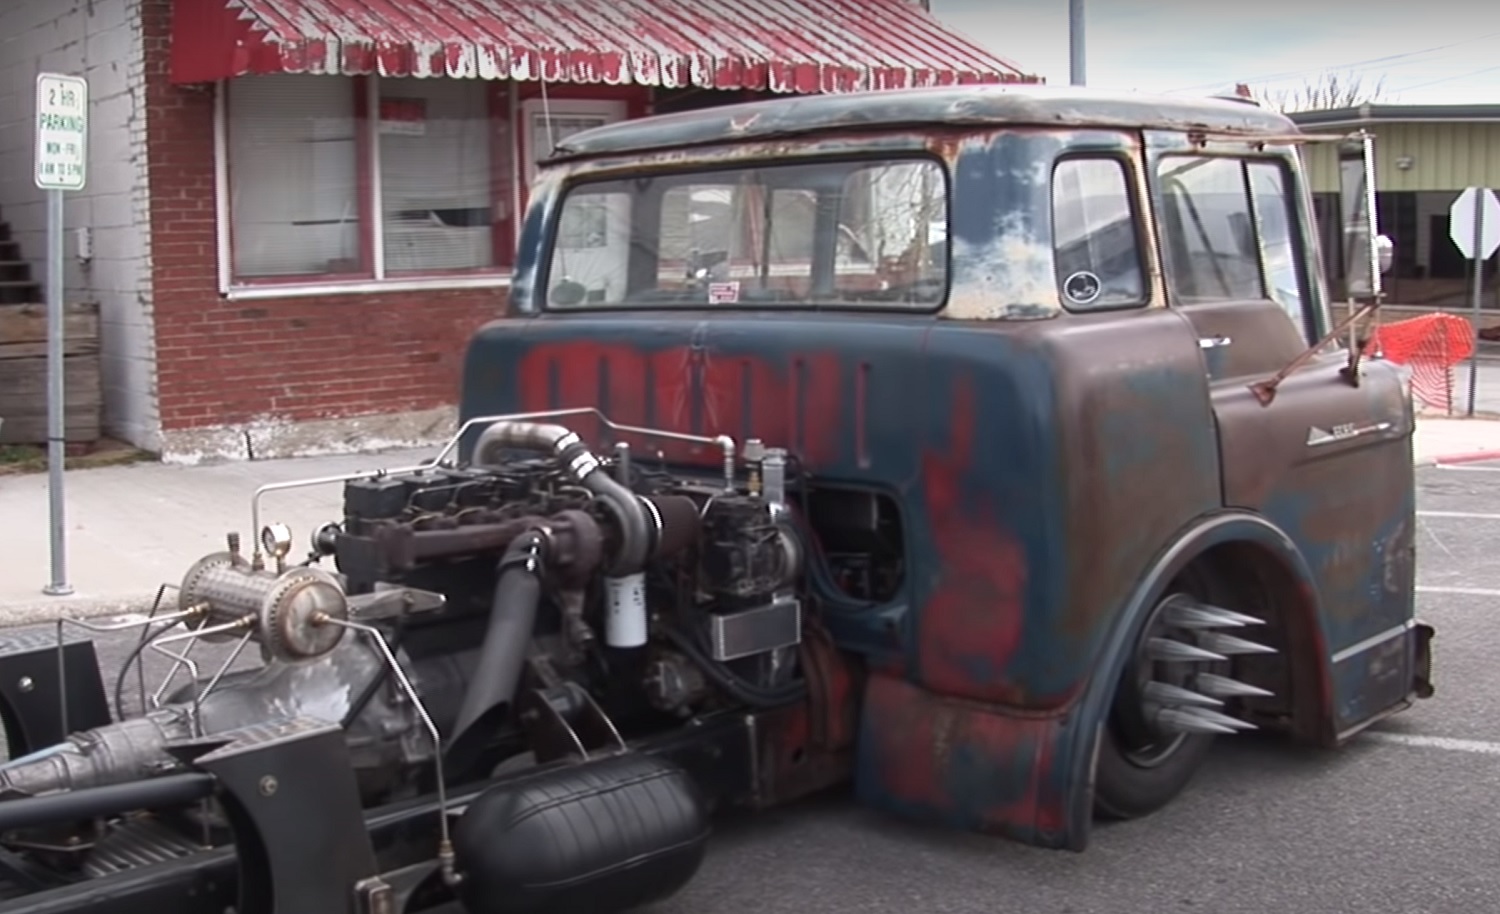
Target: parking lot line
[[1459, 591], [1465, 515], [1446, 743]]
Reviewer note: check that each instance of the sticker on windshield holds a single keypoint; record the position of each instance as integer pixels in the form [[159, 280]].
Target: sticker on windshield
[[1082, 287], [723, 293]]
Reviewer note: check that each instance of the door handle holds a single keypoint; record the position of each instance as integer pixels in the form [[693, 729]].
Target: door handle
[[1213, 342]]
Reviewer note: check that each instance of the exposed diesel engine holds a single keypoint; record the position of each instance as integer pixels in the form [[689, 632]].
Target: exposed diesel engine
[[527, 606]]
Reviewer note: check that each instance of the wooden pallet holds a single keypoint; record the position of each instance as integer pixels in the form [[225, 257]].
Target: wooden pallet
[[23, 374]]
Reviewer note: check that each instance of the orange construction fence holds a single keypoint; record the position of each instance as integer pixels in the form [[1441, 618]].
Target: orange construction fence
[[1431, 345]]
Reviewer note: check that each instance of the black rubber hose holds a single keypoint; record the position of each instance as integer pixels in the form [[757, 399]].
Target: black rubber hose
[[570, 451], [750, 694], [375, 683], [134, 657], [502, 655], [635, 530], [92, 802]]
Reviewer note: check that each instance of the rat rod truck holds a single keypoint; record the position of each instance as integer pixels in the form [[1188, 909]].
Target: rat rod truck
[[988, 448]]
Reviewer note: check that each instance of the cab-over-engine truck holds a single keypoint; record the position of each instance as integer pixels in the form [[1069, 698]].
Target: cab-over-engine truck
[[991, 448]]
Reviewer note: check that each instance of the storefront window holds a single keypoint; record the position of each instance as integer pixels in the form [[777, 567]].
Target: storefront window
[[436, 176], [294, 202], [331, 180]]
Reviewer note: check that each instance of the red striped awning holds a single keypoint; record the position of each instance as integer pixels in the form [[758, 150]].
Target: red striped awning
[[791, 46]]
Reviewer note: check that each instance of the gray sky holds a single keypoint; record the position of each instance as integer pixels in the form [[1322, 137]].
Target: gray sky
[[1428, 51]]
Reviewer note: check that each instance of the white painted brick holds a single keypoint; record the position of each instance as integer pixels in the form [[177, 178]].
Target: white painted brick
[[123, 283], [17, 94], [28, 217], [115, 281], [109, 118], [66, 58], [61, 44], [19, 19], [113, 211], [133, 417], [107, 79], [78, 209], [118, 244], [101, 41], [108, 45], [112, 171], [107, 15]]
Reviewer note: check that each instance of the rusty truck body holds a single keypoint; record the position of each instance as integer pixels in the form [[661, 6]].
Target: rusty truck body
[[988, 447]]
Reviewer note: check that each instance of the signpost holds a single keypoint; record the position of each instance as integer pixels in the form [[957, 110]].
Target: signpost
[[1474, 226], [62, 132], [1076, 68]]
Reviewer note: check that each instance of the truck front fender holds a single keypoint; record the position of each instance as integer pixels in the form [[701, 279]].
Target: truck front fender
[[1303, 634]]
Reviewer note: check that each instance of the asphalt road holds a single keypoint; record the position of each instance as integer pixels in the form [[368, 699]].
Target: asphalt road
[[1406, 820]]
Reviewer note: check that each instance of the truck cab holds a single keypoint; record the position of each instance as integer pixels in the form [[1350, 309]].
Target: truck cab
[[988, 447], [1090, 484]]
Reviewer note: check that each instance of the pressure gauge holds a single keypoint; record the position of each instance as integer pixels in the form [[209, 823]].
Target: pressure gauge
[[276, 540]]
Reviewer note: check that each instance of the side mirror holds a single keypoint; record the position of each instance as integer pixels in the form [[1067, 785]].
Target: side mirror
[[1367, 253]]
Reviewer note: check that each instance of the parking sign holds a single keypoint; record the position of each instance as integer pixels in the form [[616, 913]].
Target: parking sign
[[62, 132]]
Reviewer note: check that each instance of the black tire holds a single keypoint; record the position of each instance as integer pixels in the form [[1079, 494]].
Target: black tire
[[1126, 789], [1141, 770]]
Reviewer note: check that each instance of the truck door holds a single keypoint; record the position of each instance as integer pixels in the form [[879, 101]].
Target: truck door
[[1327, 461]]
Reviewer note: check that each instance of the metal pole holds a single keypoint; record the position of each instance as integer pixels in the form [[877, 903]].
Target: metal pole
[[1075, 42], [59, 585], [1478, 284]]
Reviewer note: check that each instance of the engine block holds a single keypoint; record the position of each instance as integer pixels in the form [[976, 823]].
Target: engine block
[[536, 564]]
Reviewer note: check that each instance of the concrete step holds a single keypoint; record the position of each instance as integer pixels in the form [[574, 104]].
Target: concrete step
[[20, 292], [15, 270]]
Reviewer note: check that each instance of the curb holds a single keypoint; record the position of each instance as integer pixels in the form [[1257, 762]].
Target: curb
[[41, 612], [1443, 460]]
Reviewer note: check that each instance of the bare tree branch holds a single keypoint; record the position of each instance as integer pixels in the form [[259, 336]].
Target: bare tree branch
[[1328, 91]]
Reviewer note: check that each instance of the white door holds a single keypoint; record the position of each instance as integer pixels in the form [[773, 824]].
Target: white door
[[594, 243], [550, 122]]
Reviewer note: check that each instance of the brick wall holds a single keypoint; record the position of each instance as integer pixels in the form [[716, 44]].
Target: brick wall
[[239, 366], [101, 42]]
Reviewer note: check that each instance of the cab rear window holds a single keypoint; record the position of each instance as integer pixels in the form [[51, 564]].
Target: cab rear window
[[854, 234], [1096, 235]]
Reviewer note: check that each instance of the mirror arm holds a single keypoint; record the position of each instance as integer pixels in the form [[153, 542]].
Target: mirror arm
[[1351, 370], [1357, 200], [1265, 391]]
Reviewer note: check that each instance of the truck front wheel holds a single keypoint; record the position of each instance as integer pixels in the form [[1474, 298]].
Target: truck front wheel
[[1170, 702]]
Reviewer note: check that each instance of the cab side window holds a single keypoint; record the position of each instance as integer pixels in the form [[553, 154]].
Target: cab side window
[[1096, 236], [1209, 231], [1278, 246], [1228, 232]]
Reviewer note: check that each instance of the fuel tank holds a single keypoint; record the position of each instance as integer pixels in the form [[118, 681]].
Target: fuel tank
[[599, 837]]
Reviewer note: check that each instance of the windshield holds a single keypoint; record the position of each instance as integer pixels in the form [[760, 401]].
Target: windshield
[[852, 234]]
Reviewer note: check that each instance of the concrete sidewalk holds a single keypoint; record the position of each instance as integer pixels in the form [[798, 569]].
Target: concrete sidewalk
[[133, 528], [1448, 440]]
